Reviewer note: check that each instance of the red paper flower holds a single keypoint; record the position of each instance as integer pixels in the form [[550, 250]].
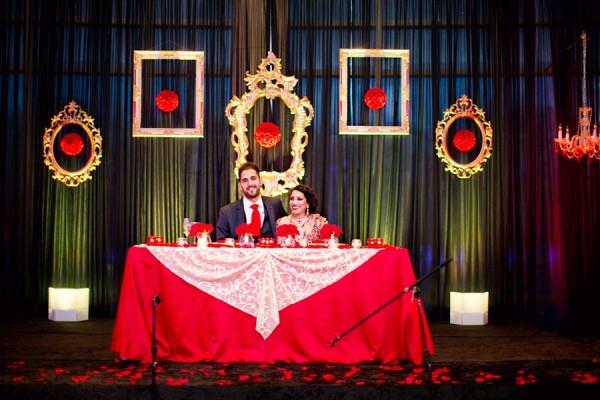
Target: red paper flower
[[464, 140], [167, 101], [267, 134], [71, 144], [197, 229], [243, 229], [287, 230], [375, 98], [329, 229]]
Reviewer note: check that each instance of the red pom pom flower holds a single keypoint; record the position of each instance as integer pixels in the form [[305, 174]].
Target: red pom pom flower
[[287, 230], [243, 229], [267, 134], [167, 101], [464, 140], [329, 229], [375, 98], [71, 144], [198, 229]]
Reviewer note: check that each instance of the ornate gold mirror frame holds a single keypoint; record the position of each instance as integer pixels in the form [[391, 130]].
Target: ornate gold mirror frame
[[72, 114], [463, 108], [270, 83]]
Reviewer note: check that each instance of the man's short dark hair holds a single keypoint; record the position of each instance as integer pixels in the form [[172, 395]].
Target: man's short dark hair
[[248, 165]]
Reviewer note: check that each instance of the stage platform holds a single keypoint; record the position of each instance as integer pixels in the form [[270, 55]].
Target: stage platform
[[40, 359]]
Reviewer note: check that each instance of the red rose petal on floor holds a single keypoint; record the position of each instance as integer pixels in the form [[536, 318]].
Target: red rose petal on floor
[[353, 371], [328, 377], [244, 378], [287, 376], [80, 379], [176, 382], [224, 382], [479, 379], [18, 378]]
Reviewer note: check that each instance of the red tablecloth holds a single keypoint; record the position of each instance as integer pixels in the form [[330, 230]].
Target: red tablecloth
[[193, 326]]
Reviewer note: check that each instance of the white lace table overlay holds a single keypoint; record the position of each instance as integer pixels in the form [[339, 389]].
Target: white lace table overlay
[[261, 282]]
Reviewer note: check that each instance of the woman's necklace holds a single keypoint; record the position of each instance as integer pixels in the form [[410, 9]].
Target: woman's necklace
[[300, 221]]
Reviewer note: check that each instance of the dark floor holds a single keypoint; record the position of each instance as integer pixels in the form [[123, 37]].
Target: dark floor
[[44, 359]]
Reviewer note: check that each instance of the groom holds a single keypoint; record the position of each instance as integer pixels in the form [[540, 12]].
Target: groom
[[253, 208]]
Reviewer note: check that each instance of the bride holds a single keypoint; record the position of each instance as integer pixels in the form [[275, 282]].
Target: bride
[[303, 205]]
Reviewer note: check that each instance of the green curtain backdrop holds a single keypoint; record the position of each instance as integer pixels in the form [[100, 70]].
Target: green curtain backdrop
[[526, 229]]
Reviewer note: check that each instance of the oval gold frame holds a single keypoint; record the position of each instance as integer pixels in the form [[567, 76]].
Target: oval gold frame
[[271, 84], [72, 114], [464, 108]]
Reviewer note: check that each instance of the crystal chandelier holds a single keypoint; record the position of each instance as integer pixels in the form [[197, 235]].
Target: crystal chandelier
[[583, 143]]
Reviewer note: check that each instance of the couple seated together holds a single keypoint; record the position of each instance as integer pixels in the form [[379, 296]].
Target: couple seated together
[[255, 209]]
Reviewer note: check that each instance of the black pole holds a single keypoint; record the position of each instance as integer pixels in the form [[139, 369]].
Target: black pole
[[390, 301], [155, 302]]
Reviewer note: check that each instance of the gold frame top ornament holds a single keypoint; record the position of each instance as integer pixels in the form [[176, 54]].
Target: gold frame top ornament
[[72, 114], [270, 83], [464, 108]]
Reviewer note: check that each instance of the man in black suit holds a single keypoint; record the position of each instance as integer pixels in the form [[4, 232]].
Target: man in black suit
[[241, 211]]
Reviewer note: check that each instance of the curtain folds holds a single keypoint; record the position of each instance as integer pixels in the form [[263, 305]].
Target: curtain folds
[[526, 229]]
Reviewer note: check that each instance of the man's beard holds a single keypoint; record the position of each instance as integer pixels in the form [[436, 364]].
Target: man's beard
[[252, 192]]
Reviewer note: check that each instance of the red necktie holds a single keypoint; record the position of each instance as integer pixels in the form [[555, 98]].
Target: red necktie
[[255, 219]]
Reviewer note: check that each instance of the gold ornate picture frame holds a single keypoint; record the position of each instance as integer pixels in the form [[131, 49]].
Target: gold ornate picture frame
[[464, 108], [197, 131], [404, 103], [270, 83], [72, 114]]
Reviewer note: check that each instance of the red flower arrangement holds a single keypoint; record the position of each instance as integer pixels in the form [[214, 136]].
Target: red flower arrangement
[[243, 229], [375, 98], [287, 230], [330, 229], [167, 101], [197, 229], [71, 144], [267, 134], [464, 140]]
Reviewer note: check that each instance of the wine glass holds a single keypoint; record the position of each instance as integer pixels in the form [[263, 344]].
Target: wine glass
[[187, 225]]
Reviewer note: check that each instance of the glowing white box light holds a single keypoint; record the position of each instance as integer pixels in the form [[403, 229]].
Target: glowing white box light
[[469, 308], [68, 304]]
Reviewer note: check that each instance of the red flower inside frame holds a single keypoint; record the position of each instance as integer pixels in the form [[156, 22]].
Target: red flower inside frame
[[71, 144], [197, 229], [167, 101], [329, 229], [287, 230], [375, 98], [267, 134], [464, 140]]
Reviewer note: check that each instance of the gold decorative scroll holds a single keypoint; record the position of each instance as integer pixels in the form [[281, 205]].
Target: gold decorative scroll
[[72, 114], [198, 130], [270, 83], [404, 103], [463, 108]]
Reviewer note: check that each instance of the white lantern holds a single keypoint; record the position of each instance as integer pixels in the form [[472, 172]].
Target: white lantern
[[68, 304], [469, 308]]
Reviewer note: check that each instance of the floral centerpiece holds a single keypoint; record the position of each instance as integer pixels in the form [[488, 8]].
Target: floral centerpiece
[[330, 233], [246, 234], [199, 229], [286, 234], [202, 231], [329, 230]]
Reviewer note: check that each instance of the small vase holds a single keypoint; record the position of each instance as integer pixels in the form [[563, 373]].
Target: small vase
[[287, 241], [203, 240], [246, 240], [333, 242]]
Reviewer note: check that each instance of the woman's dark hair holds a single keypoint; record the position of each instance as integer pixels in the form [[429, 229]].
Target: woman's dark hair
[[311, 197]]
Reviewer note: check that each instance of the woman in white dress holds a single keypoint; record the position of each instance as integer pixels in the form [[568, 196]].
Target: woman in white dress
[[303, 207]]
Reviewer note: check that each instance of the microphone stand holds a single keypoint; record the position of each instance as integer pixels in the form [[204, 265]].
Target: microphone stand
[[155, 302], [416, 293]]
